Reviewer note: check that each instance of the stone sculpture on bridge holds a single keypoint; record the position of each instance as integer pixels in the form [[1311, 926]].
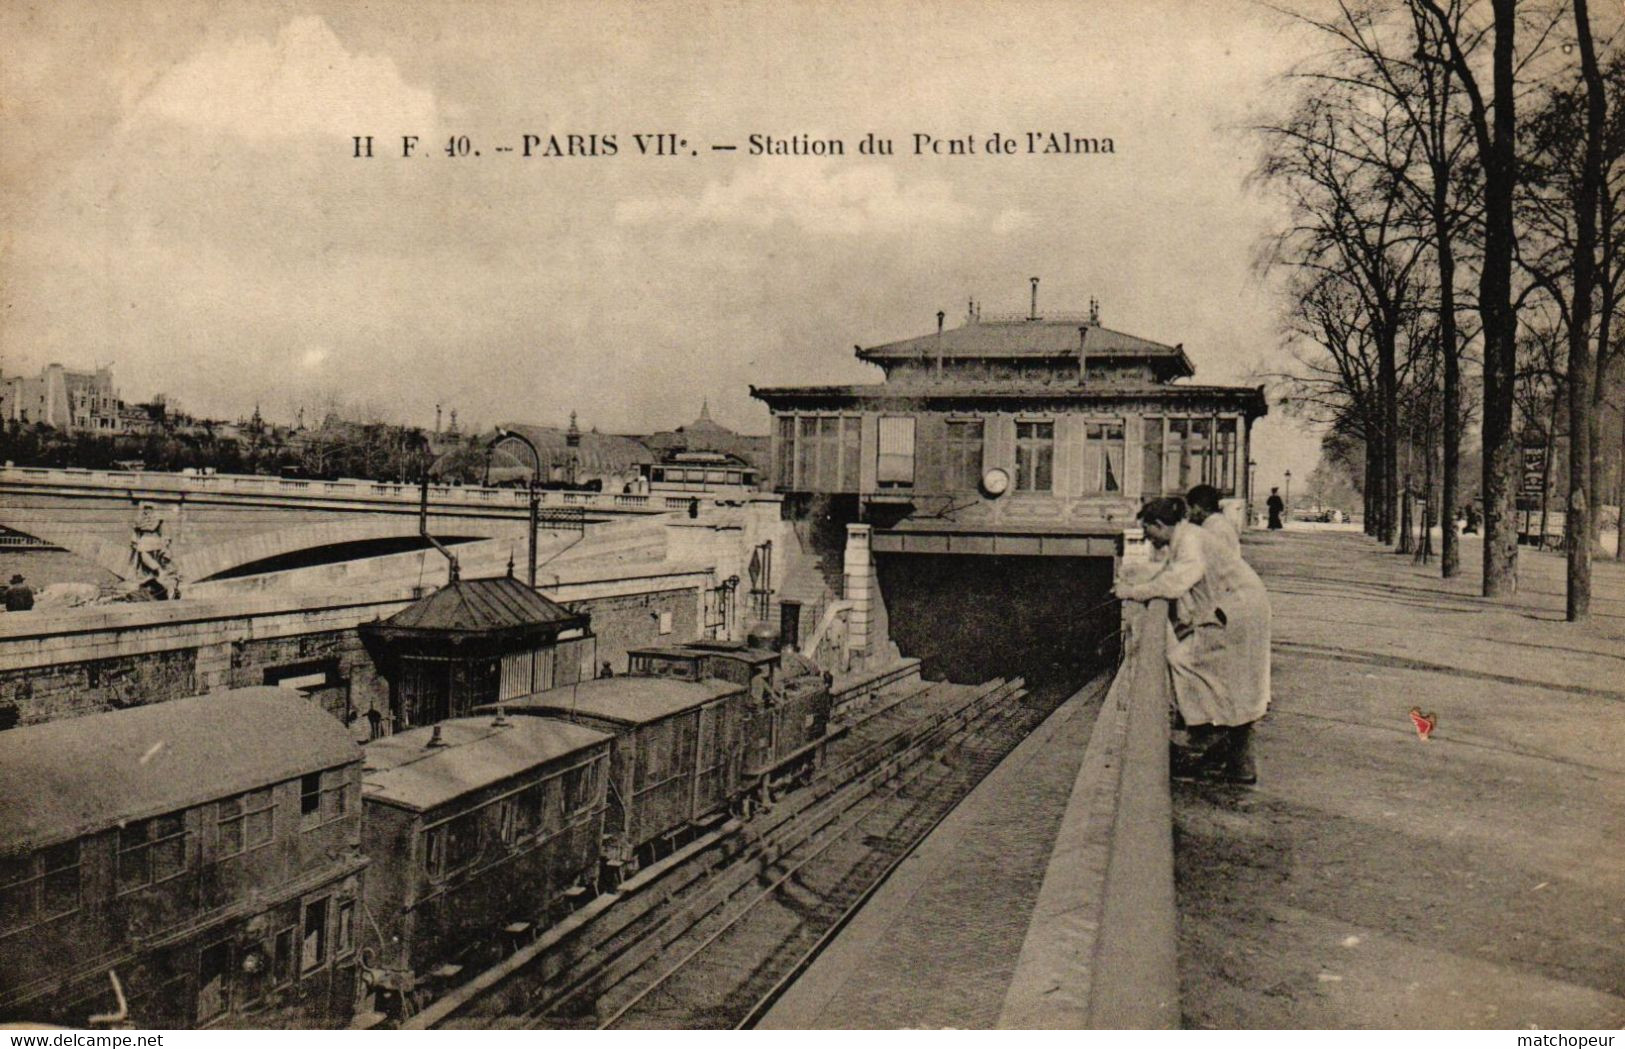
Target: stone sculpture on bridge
[[152, 567]]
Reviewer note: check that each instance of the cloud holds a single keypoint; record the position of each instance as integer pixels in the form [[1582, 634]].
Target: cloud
[[305, 82], [818, 198]]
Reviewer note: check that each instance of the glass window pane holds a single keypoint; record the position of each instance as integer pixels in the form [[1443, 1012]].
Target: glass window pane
[[168, 858], [1151, 459], [851, 452], [896, 460]]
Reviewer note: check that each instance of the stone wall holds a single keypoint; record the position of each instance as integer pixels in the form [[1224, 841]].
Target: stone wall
[[84, 661]]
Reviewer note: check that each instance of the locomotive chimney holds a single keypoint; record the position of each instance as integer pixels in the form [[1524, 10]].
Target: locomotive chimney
[[1032, 314]]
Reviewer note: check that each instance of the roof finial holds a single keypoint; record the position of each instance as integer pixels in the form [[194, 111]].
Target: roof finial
[[1032, 314], [1094, 310]]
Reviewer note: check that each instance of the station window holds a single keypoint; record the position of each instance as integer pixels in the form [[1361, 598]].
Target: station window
[[895, 465], [39, 887], [962, 464], [1103, 457], [1189, 451], [246, 821], [818, 453], [151, 851], [1035, 456], [1151, 462]]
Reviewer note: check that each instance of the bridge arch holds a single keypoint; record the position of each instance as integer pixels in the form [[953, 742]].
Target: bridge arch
[[200, 564]]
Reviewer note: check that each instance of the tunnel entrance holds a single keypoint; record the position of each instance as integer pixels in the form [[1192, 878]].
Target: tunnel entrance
[[969, 618]]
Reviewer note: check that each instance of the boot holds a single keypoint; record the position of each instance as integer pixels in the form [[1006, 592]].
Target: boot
[[1235, 764], [1189, 762]]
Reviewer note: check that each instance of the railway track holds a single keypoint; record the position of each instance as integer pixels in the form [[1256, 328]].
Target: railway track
[[756, 899], [726, 970]]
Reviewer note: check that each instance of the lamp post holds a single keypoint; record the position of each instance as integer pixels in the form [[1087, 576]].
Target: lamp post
[[1252, 466], [1289, 491], [535, 495]]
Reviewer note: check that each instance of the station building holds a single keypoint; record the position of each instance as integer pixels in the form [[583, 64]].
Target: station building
[[202, 856], [1019, 439]]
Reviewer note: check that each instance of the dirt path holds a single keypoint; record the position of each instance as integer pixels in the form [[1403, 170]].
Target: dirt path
[[1373, 880]]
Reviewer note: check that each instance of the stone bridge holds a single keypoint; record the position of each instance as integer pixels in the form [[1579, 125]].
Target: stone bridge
[[221, 526]]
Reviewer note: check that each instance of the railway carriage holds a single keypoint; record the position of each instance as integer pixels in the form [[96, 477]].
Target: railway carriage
[[481, 830], [786, 722], [674, 760]]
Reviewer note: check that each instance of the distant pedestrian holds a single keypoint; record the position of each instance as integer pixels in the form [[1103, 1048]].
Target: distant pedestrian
[[606, 670], [1277, 507], [19, 595], [1471, 513]]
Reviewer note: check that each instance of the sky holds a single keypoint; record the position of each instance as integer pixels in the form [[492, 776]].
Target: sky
[[181, 196]]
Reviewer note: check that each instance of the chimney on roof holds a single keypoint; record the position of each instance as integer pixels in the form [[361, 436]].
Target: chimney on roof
[[572, 436], [1032, 314], [1094, 310], [940, 316]]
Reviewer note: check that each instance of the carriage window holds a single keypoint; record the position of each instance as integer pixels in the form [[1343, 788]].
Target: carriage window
[[1035, 456], [346, 938], [313, 953], [151, 851], [246, 821], [434, 851], [39, 887], [323, 797]]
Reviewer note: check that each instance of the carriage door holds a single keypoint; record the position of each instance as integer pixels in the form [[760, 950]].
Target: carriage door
[[790, 624]]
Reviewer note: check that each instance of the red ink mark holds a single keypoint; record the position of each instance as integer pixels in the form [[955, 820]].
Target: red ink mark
[[1424, 723]]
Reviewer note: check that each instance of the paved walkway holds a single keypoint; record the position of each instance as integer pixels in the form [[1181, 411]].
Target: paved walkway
[[1373, 880]]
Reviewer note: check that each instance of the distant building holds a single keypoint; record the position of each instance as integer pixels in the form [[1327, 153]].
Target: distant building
[[79, 401], [705, 434], [571, 458], [206, 851]]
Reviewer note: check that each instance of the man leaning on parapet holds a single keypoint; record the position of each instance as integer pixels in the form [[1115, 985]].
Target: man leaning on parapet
[[1218, 644]]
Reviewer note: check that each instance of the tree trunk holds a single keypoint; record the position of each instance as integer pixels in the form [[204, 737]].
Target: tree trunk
[[1500, 320], [1388, 391], [1450, 550], [1582, 420], [1373, 482]]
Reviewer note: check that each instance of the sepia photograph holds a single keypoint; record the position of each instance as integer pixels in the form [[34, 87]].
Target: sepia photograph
[[780, 515]]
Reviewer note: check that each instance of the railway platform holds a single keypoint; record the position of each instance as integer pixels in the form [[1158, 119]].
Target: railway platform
[[939, 944], [1371, 880]]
